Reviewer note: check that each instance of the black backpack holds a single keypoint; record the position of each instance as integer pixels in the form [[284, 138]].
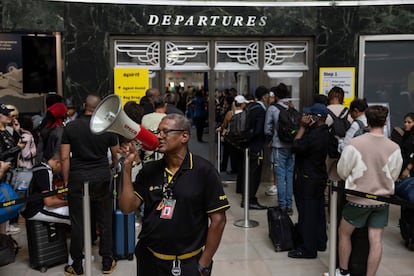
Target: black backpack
[[239, 127], [337, 130], [8, 249], [288, 123]]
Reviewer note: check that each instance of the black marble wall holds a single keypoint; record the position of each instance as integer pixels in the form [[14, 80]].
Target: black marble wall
[[86, 29]]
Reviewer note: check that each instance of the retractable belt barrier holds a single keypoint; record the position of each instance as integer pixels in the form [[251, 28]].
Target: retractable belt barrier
[[392, 199], [31, 198], [333, 215]]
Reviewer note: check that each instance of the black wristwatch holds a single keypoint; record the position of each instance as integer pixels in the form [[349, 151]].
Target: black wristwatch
[[204, 269]]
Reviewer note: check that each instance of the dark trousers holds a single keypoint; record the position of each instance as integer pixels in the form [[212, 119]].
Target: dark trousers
[[148, 264], [312, 224], [199, 122], [229, 152], [101, 207], [255, 175]]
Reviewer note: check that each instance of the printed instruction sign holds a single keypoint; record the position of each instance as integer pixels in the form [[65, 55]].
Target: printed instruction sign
[[343, 77], [131, 83]]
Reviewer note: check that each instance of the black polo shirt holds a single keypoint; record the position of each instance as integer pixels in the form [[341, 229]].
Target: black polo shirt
[[198, 192]]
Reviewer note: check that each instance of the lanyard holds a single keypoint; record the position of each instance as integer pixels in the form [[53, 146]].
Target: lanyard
[[168, 186]]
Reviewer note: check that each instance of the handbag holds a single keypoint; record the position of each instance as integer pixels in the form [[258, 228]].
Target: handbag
[[21, 178], [9, 210]]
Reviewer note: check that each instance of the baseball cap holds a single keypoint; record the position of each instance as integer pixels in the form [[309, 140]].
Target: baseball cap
[[240, 99], [317, 109], [4, 110]]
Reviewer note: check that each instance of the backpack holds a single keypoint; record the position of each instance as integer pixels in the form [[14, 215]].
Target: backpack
[[362, 128], [8, 249], [337, 130], [29, 191], [288, 123], [238, 127]]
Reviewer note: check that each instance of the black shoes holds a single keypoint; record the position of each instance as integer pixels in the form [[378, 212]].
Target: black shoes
[[300, 254], [254, 206], [322, 248], [108, 265], [71, 271]]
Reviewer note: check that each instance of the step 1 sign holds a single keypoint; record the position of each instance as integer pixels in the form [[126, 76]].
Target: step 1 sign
[[343, 77], [131, 83]]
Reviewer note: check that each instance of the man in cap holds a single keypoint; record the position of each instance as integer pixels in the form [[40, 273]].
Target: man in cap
[[256, 142], [310, 148]]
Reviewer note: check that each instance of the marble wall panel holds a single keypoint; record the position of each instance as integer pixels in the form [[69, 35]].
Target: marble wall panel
[[86, 30]]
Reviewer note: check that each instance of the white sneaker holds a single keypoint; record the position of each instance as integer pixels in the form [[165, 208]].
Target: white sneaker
[[337, 273], [13, 230], [271, 191]]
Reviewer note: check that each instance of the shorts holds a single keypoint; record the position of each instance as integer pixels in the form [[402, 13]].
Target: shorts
[[365, 215]]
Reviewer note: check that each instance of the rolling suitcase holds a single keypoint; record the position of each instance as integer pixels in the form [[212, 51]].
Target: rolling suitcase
[[407, 226], [123, 225], [281, 229], [357, 264], [47, 244], [124, 235]]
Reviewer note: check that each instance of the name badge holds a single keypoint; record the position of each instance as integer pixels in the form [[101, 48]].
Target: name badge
[[167, 208]]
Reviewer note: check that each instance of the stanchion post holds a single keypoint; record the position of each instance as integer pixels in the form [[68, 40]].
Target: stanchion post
[[333, 227], [87, 229], [246, 222], [218, 150]]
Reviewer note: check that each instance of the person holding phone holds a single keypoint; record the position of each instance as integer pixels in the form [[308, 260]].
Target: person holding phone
[[311, 148]]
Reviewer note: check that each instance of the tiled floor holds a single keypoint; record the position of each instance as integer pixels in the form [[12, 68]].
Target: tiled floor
[[248, 251]]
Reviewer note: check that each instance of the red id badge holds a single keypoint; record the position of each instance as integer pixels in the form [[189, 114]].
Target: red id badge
[[168, 208]]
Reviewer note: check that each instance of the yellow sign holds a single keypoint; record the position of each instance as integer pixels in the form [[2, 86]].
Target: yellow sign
[[130, 83], [343, 77]]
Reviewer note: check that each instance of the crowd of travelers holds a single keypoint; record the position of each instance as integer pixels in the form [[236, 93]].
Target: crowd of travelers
[[59, 147]]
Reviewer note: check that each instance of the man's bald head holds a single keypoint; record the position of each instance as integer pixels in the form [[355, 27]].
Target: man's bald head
[[91, 103], [152, 93]]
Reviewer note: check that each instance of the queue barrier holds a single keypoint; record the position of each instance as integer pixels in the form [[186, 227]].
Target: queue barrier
[[31, 198]]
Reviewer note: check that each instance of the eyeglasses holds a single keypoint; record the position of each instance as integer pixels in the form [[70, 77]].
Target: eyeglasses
[[166, 131]]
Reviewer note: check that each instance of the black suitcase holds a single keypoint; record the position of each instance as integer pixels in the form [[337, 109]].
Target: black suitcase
[[281, 229], [357, 264], [47, 244], [407, 227]]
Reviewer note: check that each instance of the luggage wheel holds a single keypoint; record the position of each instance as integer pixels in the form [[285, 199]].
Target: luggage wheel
[[43, 269]]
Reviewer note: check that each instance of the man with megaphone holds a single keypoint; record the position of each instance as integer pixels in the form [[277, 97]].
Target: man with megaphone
[[182, 192]]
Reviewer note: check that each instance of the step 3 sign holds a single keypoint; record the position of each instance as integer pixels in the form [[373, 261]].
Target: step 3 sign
[[343, 77], [131, 83]]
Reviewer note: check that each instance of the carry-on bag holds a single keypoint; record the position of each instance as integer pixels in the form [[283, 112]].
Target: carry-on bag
[[8, 209], [124, 225], [47, 244], [124, 235], [407, 226], [281, 229], [357, 264]]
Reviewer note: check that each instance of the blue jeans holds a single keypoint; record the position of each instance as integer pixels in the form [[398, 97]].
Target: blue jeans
[[284, 163], [405, 189]]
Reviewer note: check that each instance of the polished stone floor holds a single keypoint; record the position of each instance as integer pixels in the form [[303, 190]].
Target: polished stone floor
[[247, 251]]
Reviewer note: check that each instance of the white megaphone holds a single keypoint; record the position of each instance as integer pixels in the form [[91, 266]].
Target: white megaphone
[[109, 116]]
